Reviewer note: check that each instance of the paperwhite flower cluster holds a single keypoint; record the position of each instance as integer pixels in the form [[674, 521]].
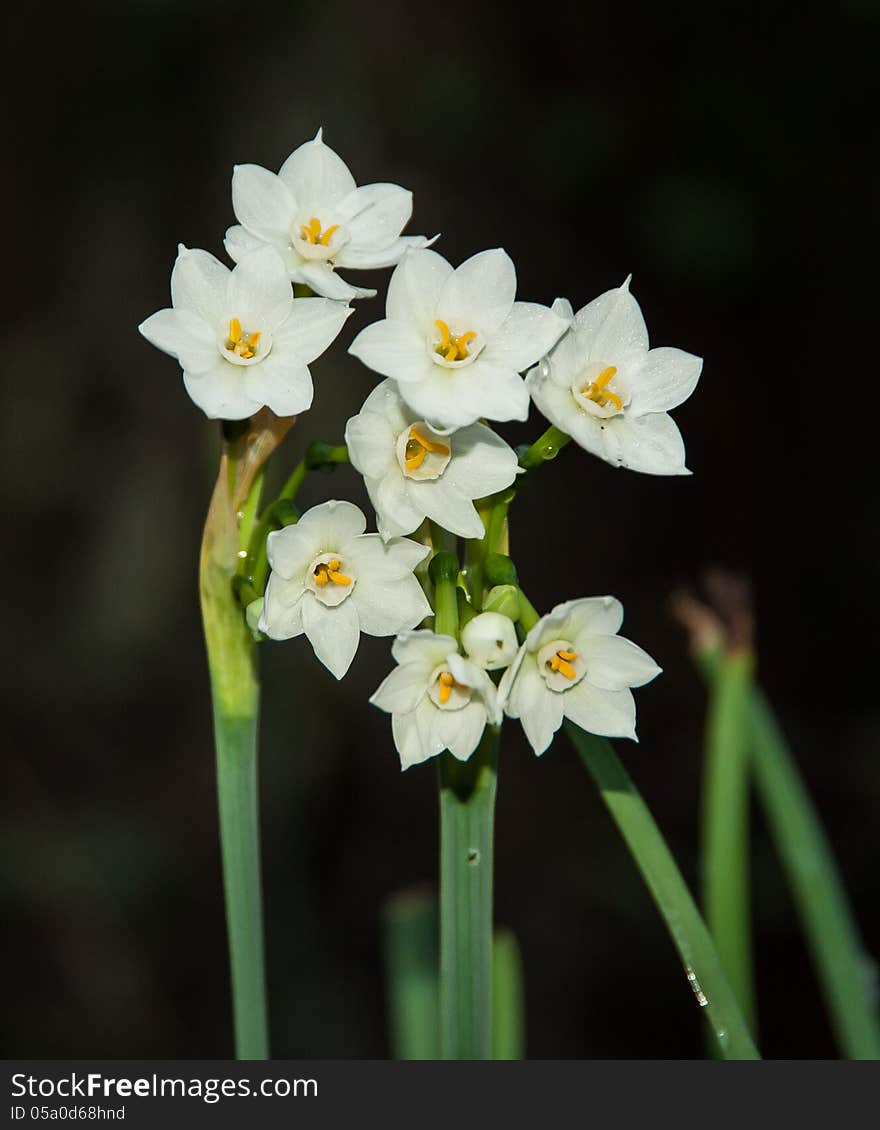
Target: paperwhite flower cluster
[[452, 350]]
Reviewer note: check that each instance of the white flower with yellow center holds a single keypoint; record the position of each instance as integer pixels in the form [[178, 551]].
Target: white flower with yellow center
[[242, 340], [437, 699], [317, 218], [456, 341], [413, 472], [332, 581], [605, 388], [573, 664]]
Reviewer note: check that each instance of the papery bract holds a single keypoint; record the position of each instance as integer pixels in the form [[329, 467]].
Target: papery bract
[[605, 388], [455, 341], [573, 664], [437, 699], [316, 217], [332, 581], [242, 340], [412, 472]]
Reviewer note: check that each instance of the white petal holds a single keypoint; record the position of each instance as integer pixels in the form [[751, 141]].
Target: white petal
[[259, 287], [281, 382], [221, 393], [198, 284], [414, 289], [557, 404], [397, 509], [665, 379], [479, 294], [185, 336], [262, 202], [482, 463], [395, 350], [334, 633], [528, 333], [282, 609], [461, 730], [375, 214], [538, 708], [386, 561], [651, 444], [611, 326], [313, 326], [324, 281], [611, 714], [412, 735], [332, 525], [375, 258], [443, 504], [591, 615], [388, 607], [370, 440], [316, 176], [291, 550], [456, 398], [402, 690], [424, 648], [239, 242], [614, 663]]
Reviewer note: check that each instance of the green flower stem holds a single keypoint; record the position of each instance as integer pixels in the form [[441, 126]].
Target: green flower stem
[[235, 692], [827, 919], [703, 968], [508, 1003], [545, 448], [725, 824], [467, 818], [411, 958]]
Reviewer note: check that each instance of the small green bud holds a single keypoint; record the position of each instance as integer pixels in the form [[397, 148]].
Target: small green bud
[[500, 570], [252, 615], [503, 599]]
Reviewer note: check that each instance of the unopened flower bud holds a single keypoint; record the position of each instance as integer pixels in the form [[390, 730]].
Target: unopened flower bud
[[490, 640]]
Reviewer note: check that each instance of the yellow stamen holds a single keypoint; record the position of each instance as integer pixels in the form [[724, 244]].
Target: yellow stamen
[[453, 347], [560, 662], [311, 232], [329, 571], [598, 393], [241, 344], [418, 446], [447, 682]]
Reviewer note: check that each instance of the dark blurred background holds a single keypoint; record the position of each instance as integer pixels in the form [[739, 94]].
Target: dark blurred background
[[721, 153]]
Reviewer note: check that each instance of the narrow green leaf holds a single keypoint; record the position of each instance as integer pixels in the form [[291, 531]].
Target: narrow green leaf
[[725, 824], [508, 1002], [703, 969], [844, 970], [411, 962]]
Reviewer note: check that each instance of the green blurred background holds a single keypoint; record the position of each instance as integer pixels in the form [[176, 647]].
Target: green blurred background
[[723, 154]]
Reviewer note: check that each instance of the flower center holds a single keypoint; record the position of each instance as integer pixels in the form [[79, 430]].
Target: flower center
[[242, 343], [594, 393], [327, 572], [330, 579], [311, 232], [453, 347], [445, 692], [561, 665], [421, 452]]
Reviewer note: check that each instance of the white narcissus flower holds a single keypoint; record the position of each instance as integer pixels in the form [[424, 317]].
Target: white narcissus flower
[[242, 340], [610, 392], [573, 664], [332, 581], [317, 218], [456, 341], [412, 472], [436, 698], [489, 639]]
